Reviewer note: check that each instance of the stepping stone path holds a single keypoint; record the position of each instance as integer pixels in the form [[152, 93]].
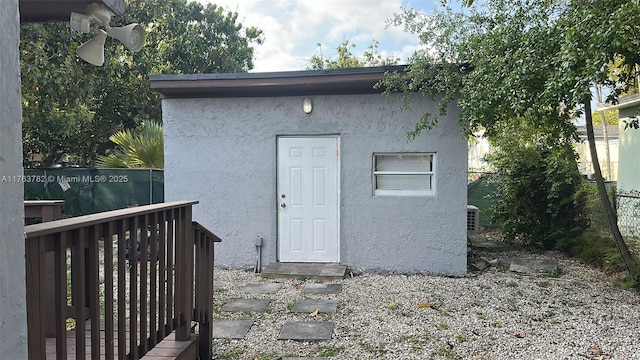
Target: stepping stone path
[[254, 305], [309, 305], [261, 288], [231, 329], [306, 330], [322, 289], [533, 266], [301, 330]]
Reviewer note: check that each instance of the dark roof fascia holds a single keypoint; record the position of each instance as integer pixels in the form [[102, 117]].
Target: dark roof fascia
[[623, 103], [60, 10], [269, 84]]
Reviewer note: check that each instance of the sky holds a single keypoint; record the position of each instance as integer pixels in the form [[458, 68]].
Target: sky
[[292, 29]]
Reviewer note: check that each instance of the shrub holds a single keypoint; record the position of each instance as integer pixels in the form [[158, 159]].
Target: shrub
[[542, 198]]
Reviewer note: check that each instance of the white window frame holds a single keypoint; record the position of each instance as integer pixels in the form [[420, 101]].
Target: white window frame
[[407, 192]]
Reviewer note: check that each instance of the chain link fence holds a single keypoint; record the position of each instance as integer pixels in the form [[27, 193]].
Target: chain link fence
[[629, 213], [89, 190], [595, 210]]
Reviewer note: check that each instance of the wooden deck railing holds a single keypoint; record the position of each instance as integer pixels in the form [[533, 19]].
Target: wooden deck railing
[[124, 278]]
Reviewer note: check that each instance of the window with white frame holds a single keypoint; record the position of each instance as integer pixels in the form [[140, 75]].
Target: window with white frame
[[404, 174]]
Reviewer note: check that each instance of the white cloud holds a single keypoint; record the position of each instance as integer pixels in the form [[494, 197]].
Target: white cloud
[[293, 28]]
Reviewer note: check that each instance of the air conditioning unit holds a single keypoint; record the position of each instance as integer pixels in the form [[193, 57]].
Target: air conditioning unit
[[473, 219]]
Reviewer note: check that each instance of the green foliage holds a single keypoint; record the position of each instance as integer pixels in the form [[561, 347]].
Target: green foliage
[[191, 38], [139, 148], [446, 351], [611, 117], [346, 59], [540, 190], [57, 119], [264, 356], [595, 210], [596, 248], [599, 38], [231, 354], [533, 60], [632, 123], [330, 351], [627, 282], [71, 107], [503, 54]]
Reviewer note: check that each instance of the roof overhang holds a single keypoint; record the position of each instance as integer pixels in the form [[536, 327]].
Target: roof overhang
[[60, 10], [291, 83], [623, 103]]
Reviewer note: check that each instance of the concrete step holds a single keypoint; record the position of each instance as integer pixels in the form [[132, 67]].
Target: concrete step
[[308, 271]]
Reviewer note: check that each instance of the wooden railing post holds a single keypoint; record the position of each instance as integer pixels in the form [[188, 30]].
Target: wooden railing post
[[133, 288], [184, 274], [78, 289], [46, 210], [107, 234], [60, 293], [35, 298]]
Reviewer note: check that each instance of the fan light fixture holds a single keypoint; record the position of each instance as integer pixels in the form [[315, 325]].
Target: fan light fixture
[[131, 36]]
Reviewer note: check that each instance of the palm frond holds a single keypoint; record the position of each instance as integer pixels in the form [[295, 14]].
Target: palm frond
[[142, 148]]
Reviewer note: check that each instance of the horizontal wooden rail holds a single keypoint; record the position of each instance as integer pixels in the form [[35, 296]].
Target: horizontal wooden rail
[[100, 218]]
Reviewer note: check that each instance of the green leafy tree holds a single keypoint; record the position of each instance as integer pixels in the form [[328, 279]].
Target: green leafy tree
[[71, 107], [611, 117], [534, 61], [346, 59], [139, 148], [58, 119]]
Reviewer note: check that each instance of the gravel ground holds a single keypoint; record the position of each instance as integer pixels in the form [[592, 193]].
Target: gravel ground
[[496, 314]]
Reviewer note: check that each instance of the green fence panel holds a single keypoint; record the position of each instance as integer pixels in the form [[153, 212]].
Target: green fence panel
[[481, 194], [89, 190]]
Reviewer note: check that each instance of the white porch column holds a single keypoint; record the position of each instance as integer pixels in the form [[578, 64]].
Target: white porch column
[[13, 313]]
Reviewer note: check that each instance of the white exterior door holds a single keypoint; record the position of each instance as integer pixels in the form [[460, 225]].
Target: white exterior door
[[308, 199]]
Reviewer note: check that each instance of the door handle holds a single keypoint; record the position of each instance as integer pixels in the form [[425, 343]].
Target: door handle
[[283, 205]]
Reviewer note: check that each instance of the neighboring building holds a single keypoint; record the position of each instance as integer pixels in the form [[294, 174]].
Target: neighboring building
[[479, 147], [628, 199], [317, 165], [609, 168]]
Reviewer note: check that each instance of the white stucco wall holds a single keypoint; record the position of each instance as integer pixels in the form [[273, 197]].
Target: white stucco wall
[[585, 164], [629, 171], [222, 152], [629, 177], [13, 318]]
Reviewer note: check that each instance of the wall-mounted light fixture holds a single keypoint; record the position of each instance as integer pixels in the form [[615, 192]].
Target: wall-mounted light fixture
[[307, 105], [92, 51]]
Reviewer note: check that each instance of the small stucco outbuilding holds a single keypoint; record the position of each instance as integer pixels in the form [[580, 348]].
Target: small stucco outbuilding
[[317, 165]]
